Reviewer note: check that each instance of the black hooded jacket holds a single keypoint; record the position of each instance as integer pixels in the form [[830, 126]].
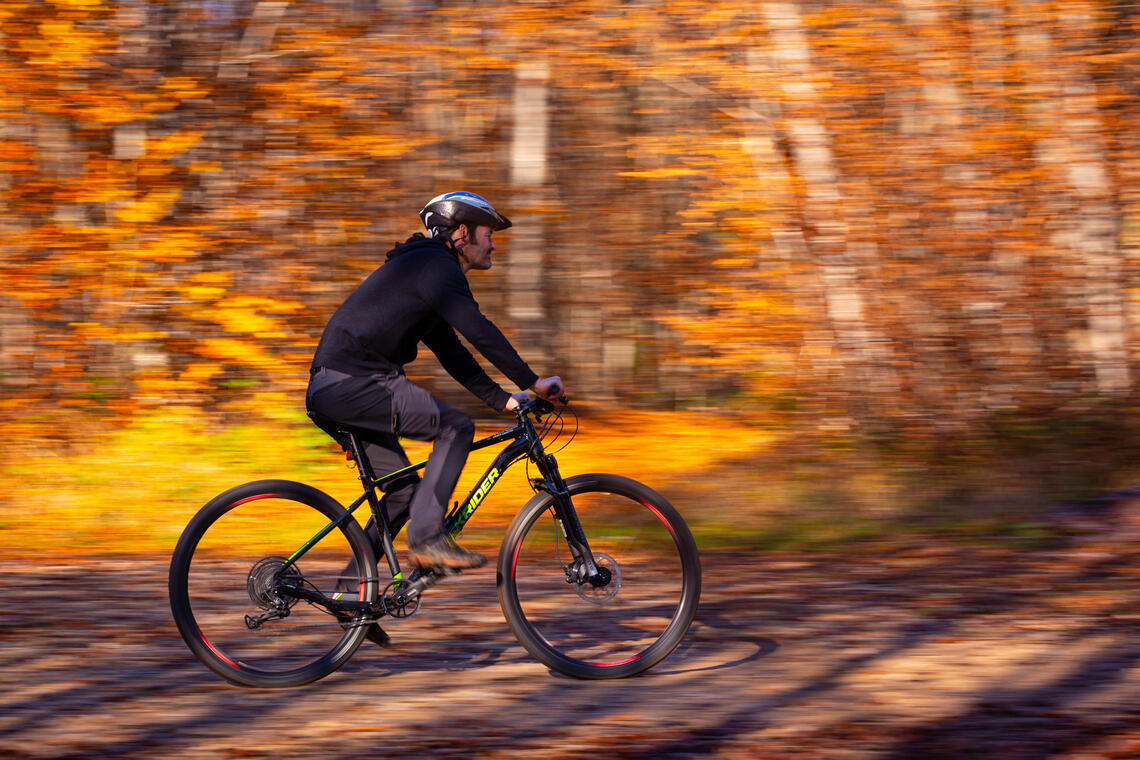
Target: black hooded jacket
[[420, 293]]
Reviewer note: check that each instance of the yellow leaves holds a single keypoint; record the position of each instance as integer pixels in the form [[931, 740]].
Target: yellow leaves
[[60, 45], [663, 172], [174, 145], [116, 334], [242, 352], [174, 245], [238, 315], [184, 88], [76, 4], [201, 293], [151, 208], [383, 146], [236, 319], [199, 372]]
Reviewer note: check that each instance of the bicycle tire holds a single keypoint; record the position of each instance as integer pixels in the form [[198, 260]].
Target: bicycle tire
[[215, 576], [607, 632]]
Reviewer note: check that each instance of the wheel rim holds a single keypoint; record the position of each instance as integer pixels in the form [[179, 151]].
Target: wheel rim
[[602, 627], [228, 581]]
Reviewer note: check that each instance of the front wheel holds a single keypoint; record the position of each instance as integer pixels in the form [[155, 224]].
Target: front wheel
[[229, 584], [630, 616]]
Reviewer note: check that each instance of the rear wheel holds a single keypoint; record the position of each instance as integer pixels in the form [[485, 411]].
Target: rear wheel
[[629, 617], [227, 584]]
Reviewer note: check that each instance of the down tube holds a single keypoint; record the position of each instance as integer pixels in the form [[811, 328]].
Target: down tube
[[459, 516]]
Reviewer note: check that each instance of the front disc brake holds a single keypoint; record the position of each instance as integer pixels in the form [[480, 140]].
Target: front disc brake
[[601, 593]]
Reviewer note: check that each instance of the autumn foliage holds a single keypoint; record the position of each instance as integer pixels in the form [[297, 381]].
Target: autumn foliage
[[914, 214]]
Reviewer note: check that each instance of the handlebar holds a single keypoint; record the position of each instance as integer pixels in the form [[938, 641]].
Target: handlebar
[[538, 406]]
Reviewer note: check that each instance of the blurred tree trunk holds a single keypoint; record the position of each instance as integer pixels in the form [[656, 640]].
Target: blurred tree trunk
[[824, 230], [1064, 108], [526, 256], [762, 143]]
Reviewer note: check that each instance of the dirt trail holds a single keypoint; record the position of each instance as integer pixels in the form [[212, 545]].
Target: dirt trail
[[921, 652]]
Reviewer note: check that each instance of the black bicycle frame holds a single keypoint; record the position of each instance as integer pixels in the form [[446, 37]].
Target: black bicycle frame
[[526, 442]]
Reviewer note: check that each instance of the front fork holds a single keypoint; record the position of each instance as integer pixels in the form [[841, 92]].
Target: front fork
[[583, 569]]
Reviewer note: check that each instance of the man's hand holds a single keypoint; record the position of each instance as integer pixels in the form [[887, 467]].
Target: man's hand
[[515, 401], [549, 388]]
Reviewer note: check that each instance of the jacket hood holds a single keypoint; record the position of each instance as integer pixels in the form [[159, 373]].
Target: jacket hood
[[417, 242]]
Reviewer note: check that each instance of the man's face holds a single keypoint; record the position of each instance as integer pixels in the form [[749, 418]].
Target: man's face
[[476, 253]]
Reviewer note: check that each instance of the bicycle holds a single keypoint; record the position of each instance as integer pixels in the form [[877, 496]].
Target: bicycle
[[598, 575]]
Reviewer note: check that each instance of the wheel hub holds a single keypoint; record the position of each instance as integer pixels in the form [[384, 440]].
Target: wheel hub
[[264, 578], [605, 585]]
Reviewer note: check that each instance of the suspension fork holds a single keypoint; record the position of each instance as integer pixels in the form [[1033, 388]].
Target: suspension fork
[[567, 517]]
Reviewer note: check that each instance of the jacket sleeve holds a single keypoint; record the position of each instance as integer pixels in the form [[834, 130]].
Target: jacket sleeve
[[447, 291], [461, 365]]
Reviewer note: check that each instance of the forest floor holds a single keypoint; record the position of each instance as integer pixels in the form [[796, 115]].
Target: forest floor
[[896, 650]]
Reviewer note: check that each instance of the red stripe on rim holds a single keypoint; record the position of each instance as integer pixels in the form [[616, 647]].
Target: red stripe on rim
[[253, 498], [206, 641], [615, 664], [660, 517], [515, 559], [668, 527], [217, 653]]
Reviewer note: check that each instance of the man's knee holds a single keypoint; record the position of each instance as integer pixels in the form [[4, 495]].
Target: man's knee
[[458, 423]]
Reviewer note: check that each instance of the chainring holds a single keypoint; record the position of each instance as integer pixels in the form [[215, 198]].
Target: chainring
[[400, 605]]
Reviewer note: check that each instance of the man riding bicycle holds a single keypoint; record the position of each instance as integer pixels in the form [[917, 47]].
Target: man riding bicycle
[[420, 294]]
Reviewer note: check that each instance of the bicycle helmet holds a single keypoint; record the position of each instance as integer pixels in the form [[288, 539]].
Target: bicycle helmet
[[444, 213]]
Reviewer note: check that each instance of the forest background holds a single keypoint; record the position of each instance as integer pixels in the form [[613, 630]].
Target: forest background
[[815, 270]]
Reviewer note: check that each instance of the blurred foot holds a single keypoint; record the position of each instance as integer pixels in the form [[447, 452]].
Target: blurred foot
[[444, 554]]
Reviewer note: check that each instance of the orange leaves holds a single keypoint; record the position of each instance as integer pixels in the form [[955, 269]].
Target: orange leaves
[[150, 208], [165, 148], [664, 172], [248, 315], [60, 44], [240, 352]]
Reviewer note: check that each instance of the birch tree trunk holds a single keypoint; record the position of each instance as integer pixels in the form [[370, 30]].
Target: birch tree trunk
[[525, 255], [824, 231], [1065, 110], [1004, 356]]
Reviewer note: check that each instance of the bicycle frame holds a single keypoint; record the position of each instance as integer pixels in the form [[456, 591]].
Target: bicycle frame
[[524, 441]]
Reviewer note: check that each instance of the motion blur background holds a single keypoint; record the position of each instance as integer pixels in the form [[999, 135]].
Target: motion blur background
[[862, 266]]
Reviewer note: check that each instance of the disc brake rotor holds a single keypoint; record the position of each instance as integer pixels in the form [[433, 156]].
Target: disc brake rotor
[[603, 593]]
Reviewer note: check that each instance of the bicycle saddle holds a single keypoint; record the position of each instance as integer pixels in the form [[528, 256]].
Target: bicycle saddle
[[339, 430]]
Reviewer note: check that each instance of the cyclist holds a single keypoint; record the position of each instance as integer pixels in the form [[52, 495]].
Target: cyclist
[[420, 294]]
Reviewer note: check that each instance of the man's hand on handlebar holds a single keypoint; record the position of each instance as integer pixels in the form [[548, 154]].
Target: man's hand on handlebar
[[549, 388]]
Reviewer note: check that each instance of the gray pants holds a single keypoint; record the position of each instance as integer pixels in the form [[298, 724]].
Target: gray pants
[[382, 407]]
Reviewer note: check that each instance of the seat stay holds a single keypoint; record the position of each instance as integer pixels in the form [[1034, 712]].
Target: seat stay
[[321, 534]]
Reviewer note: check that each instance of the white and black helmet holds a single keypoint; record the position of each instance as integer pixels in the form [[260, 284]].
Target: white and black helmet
[[444, 213]]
